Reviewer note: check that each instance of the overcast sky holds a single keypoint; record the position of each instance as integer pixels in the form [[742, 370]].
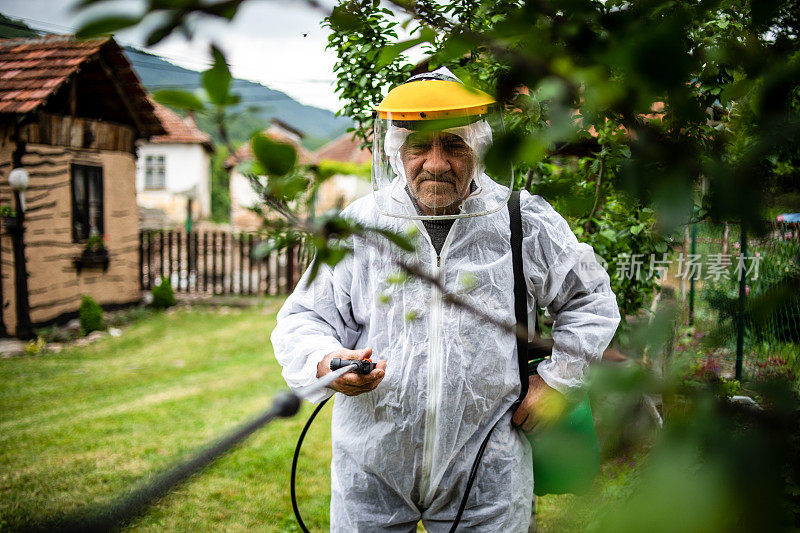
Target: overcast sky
[[278, 43]]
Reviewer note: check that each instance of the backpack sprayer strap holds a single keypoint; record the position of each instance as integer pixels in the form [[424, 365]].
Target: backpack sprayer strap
[[520, 295], [521, 314]]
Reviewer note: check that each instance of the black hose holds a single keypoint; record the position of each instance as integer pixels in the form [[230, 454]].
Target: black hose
[[470, 480], [294, 464]]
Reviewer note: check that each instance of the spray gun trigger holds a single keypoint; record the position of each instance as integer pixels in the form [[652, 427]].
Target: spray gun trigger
[[364, 366]]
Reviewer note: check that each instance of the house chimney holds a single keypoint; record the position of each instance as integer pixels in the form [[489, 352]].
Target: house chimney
[[190, 118]]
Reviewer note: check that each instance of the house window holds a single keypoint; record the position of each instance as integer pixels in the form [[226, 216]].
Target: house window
[[155, 173], [87, 201]]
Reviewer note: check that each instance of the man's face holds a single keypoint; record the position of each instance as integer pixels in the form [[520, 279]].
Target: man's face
[[439, 169]]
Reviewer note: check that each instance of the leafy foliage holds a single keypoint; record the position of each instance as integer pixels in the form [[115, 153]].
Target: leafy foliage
[[220, 186], [90, 315], [632, 118], [361, 33], [163, 295], [328, 168]]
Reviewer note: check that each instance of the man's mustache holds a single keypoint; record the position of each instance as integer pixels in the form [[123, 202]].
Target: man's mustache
[[447, 177]]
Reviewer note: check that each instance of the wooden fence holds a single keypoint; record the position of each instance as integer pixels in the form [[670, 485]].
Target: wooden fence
[[217, 262]]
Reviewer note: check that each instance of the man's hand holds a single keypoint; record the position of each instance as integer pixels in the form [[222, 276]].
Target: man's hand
[[541, 403], [352, 384]]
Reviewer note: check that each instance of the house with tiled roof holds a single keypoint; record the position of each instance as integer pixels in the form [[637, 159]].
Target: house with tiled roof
[[173, 172], [244, 200], [71, 113], [350, 178]]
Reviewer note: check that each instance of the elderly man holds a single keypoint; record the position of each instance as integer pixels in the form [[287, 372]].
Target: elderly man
[[405, 436]]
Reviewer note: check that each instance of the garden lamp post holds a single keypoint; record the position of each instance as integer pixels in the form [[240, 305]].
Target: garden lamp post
[[18, 179]]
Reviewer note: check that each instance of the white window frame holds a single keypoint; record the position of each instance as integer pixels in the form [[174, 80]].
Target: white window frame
[[155, 172]]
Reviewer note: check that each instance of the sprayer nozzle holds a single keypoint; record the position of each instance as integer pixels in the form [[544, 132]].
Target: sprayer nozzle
[[362, 367]]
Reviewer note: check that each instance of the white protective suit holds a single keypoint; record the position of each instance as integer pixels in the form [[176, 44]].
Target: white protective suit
[[403, 451]]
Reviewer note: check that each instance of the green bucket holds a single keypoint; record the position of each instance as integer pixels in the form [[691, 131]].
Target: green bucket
[[566, 456]]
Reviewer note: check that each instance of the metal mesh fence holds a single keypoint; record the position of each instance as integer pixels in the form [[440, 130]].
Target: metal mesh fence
[[771, 267]]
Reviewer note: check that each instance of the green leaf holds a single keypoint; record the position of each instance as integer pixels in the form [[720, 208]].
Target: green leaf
[[226, 10], [389, 53], [397, 278], [736, 90], [288, 187], [455, 47], [276, 158], [277, 241], [161, 32], [253, 168], [399, 240], [331, 255], [264, 248], [179, 99], [343, 19], [106, 25], [609, 234], [384, 298], [637, 229], [217, 79]]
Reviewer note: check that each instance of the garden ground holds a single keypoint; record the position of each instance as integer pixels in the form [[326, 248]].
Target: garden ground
[[80, 426]]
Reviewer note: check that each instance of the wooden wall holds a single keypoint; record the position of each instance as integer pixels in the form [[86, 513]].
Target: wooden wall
[[76, 132], [54, 285]]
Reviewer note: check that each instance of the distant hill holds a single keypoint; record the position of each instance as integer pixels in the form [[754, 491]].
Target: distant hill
[[10, 28], [319, 125]]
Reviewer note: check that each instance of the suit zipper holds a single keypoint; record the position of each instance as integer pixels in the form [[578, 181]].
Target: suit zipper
[[434, 372]]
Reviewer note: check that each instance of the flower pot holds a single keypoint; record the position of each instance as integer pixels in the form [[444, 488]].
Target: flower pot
[[10, 223], [92, 259]]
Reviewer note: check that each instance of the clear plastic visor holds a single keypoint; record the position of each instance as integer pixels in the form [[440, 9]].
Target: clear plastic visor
[[433, 168]]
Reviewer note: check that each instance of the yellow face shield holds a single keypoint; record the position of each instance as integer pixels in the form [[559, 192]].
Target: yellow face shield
[[430, 139]]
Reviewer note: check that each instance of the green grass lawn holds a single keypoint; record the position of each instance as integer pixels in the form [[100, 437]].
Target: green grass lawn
[[83, 425]]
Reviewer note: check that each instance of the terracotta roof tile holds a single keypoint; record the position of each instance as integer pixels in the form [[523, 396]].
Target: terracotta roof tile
[[179, 130], [24, 107], [31, 69], [345, 149], [276, 133], [25, 59]]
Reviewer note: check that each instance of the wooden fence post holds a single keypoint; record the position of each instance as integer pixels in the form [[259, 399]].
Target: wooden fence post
[[150, 259], [169, 256], [225, 270], [161, 251], [213, 262], [141, 260], [178, 257], [205, 262], [289, 269]]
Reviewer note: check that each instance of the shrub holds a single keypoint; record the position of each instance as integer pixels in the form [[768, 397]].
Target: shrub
[[163, 295], [35, 347], [773, 369], [706, 373], [90, 315], [704, 370], [729, 387]]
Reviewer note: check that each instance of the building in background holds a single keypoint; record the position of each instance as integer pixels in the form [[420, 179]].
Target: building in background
[[70, 115], [243, 197], [349, 165], [173, 172]]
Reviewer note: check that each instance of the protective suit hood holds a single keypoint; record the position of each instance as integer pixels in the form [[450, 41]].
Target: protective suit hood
[[431, 142]]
